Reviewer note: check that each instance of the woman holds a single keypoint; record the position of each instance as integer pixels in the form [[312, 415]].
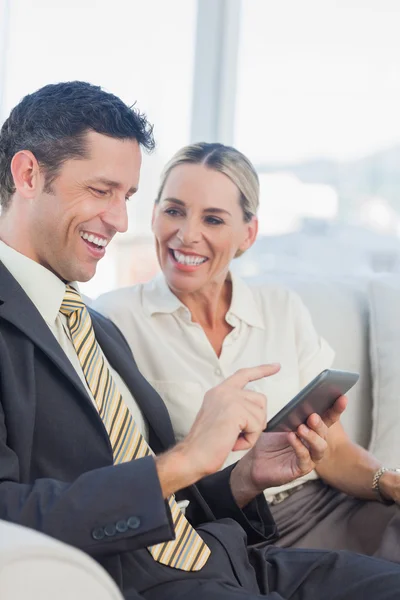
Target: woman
[[195, 324]]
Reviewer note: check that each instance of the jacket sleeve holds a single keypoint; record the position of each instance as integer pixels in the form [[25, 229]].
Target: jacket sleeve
[[104, 511], [255, 518]]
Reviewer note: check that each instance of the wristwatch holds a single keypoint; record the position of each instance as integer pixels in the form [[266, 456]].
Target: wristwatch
[[375, 483]]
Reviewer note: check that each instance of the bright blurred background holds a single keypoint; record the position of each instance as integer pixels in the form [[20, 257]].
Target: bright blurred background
[[308, 89]]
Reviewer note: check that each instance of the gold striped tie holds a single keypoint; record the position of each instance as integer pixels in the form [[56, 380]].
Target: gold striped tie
[[188, 551]]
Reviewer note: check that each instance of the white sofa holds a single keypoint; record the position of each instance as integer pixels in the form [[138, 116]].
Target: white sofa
[[361, 321], [34, 566]]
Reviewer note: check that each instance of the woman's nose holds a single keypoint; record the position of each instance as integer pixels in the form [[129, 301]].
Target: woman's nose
[[189, 233]]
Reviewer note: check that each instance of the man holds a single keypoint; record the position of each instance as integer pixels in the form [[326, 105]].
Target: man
[[78, 423]]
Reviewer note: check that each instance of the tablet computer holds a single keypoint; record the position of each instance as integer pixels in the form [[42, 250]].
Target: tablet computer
[[316, 397]]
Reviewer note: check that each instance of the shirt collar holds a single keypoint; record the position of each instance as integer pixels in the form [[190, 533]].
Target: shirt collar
[[158, 298], [243, 305], [44, 289]]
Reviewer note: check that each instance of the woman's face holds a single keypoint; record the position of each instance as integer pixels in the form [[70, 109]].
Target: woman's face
[[198, 227]]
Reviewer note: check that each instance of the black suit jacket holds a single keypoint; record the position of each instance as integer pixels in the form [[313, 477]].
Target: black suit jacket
[[56, 466]]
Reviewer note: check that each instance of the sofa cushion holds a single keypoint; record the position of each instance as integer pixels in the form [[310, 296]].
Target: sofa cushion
[[384, 299], [35, 566]]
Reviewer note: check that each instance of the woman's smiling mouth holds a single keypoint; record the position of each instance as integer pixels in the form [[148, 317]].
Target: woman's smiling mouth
[[187, 261]]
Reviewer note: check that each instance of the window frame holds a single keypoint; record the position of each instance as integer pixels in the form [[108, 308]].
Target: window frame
[[215, 70]]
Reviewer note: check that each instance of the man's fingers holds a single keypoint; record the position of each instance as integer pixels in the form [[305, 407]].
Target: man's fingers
[[243, 376], [256, 398], [315, 423], [254, 420], [333, 415], [254, 423], [245, 442], [316, 445], [302, 453]]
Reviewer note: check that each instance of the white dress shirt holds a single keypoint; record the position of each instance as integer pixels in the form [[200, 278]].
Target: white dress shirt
[[46, 291], [270, 324]]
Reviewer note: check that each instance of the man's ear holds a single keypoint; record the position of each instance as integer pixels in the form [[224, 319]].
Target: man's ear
[[26, 173], [251, 234]]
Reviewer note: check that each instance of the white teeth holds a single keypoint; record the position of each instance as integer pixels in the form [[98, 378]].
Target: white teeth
[[185, 259], [94, 239]]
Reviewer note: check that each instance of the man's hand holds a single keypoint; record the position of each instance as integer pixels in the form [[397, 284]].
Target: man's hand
[[279, 458], [231, 418]]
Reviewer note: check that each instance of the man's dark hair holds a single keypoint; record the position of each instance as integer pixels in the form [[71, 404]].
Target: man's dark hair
[[53, 121]]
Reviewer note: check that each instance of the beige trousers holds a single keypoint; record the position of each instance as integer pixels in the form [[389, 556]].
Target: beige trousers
[[318, 516]]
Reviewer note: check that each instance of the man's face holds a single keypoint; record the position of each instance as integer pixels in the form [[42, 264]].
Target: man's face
[[70, 227]]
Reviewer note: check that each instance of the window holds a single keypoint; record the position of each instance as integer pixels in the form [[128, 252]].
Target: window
[[317, 112]]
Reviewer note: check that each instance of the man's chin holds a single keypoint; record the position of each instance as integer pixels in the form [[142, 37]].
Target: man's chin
[[81, 274], [84, 276]]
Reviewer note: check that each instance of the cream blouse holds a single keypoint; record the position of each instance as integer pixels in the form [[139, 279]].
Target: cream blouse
[[270, 324]]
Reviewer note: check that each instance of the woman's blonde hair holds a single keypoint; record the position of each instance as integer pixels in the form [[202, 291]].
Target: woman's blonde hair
[[226, 160]]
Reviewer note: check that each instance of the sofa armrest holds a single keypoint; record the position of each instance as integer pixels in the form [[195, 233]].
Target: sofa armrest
[[33, 565]]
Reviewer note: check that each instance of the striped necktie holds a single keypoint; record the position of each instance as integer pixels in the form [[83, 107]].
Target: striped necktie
[[188, 551]]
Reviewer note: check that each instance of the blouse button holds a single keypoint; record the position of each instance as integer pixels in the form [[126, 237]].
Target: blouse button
[[218, 372]]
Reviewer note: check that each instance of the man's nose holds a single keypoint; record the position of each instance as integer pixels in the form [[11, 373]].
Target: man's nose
[[116, 215]]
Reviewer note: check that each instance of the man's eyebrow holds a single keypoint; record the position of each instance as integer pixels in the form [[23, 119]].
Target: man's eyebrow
[[113, 184], [206, 210]]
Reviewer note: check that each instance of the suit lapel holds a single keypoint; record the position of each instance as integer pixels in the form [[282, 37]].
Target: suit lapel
[[153, 408], [17, 309]]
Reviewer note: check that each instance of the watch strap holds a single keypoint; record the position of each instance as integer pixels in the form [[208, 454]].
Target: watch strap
[[375, 484]]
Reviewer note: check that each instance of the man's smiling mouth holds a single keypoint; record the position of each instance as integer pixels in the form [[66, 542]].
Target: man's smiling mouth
[[93, 239]]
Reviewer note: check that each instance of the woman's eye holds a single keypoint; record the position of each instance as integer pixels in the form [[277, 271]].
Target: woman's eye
[[213, 221], [172, 212]]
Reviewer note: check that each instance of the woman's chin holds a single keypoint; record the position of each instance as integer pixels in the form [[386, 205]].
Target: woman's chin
[[183, 282]]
